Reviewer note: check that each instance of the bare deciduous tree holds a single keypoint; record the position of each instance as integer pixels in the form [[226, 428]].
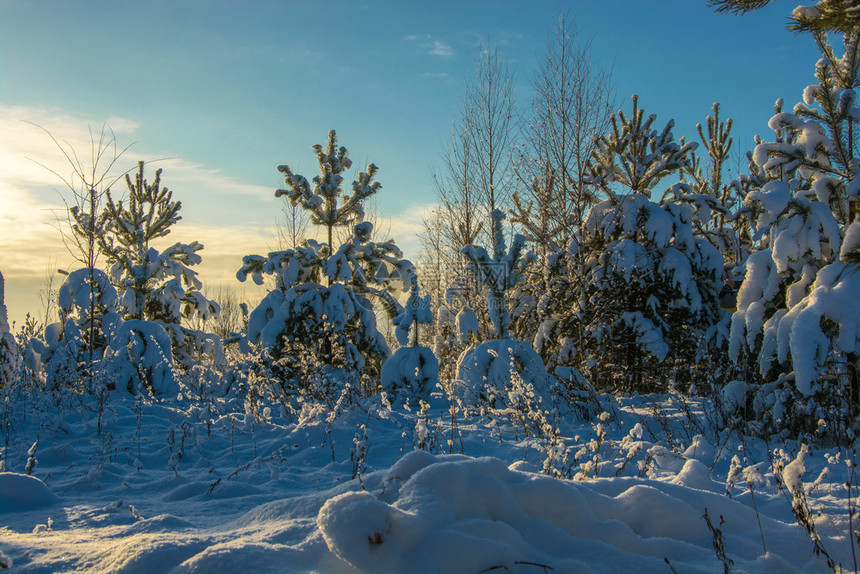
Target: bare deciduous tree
[[87, 185], [573, 101], [489, 119], [292, 229]]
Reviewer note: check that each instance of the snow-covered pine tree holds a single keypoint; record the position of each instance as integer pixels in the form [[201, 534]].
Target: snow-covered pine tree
[[319, 318], [74, 346], [86, 185], [488, 371], [500, 272], [717, 202], [9, 356], [325, 202], [649, 285], [720, 218], [573, 99], [154, 285], [545, 222], [794, 314], [413, 371], [822, 17]]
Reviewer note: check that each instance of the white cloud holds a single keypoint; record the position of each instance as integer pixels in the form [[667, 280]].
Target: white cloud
[[31, 202], [441, 77], [432, 46], [26, 149], [208, 180], [442, 49], [404, 227]]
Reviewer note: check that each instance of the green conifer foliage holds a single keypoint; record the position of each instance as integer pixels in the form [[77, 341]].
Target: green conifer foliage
[[649, 285]]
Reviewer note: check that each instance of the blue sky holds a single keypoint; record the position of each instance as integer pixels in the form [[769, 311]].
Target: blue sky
[[230, 89]]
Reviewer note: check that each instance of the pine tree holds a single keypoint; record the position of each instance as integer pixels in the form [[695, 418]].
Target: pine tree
[[9, 356], [413, 371], [649, 285], [501, 372], [715, 200], [500, 272], [325, 202], [157, 285], [794, 312], [635, 157], [86, 186], [75, 345], [823, 16], [320, 317]]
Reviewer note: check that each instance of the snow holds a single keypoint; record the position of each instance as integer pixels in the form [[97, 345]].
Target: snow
[[19, 492], [851, 244], [467, 324], [9, 356], [410, 372], [139, 358], [171, 488], [503, 371], [833, 296]]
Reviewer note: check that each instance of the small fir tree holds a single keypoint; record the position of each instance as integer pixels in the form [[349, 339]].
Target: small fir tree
[[413, 371], [500, 272], [490, 373], [794, 312]]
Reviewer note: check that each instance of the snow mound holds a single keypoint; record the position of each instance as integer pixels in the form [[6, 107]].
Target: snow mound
[[486, 373], [457, 514], [19, 492], [410, 374]]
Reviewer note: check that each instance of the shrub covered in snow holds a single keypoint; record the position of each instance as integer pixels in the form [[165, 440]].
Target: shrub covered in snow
[[649, 285], [488, 372], [74, 346], [500, 272], [138, 360], [501, 372]]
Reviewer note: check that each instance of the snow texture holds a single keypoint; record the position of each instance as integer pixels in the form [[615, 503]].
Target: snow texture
[[9, 355], [21, 493], [139, 359], [267, 496]]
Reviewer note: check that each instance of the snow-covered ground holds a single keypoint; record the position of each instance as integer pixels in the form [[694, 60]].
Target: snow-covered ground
[[200, 489]]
